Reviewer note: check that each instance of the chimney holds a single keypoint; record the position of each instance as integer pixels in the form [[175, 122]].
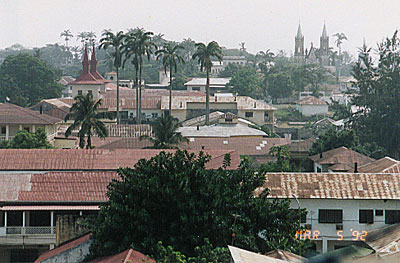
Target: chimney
[[41, 109], [320, 155], [198, 127], [355, 167]]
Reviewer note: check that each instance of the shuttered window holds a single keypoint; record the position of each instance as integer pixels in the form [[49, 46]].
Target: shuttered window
[[366, 217], [330, 216]]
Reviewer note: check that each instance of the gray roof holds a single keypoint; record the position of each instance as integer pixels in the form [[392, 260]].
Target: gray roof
[[220, 130]]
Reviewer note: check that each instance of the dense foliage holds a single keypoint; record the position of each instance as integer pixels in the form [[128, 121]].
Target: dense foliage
[[379, 102], [28, 140], [26, 80], [172, 198]]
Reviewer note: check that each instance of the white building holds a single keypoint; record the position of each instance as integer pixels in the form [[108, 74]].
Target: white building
[[342, 208], [217, 85], [310, 106]]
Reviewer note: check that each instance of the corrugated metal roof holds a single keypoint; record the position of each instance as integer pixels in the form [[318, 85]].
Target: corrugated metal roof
[[13, 114], [48, 207], [333, 185]]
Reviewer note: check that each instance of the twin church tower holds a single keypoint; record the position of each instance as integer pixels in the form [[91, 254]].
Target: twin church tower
[[313, 55]]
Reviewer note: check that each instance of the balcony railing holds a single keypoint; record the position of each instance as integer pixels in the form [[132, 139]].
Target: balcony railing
[[4, 138], [30, 230]]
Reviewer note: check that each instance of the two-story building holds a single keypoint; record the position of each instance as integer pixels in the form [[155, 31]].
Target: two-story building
[[342, 208], [187, 107], [217, 85], [14, 118]]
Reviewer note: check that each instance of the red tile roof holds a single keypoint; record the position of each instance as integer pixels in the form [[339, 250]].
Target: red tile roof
[[127, 256], [341, 158], [66, 246], [13, 114], [333, 185], [92, 159], [383, 165], [68, 187]]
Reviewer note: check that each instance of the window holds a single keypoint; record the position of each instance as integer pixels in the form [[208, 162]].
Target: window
[[70, 88], [3, 129], [248, 114], [378, 212], [196, 88], [154, 115], [79, 92], [90, 92], [392, 216], [26, 129], [366, 217], [330, 216]]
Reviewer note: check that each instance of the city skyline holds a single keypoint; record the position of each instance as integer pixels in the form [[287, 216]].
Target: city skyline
[[260, 24]]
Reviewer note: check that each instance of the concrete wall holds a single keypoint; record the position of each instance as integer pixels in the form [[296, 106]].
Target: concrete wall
[[309, 110], [327, 231], [85, 88], [75, 254]]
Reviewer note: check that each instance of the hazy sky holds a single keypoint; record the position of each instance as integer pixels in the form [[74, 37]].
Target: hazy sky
[[261, 24]]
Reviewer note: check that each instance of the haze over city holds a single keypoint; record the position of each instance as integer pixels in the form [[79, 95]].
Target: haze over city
[[260, 24]]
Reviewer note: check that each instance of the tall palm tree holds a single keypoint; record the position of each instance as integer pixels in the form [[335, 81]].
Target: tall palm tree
[[86, 117], [170, 59], [144, 46], [339, 40], [67, 36], [115, 41], [165, 135], [204, 53], [129, 50]]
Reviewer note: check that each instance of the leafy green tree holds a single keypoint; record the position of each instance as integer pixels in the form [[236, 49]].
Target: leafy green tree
[[246, 82], [229, 70], [316, 76], [203, 254], [87, 118], [165, 133], [174, 199], [28, 140], [280, 84], [115, 41], [331, 138], [281, 163], [378, 119], [341, 111], [170, 59], [203, 54], [26, 80]]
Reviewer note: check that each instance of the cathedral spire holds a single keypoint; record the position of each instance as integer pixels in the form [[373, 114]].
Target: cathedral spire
[[85, 62], [299, 34], [324, 33], [93, 61]]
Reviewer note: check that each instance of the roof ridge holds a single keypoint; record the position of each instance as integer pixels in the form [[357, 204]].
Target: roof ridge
[[34, 113]]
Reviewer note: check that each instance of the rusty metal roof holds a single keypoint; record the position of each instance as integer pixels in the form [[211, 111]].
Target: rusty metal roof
[[383, 165], [333, 185]]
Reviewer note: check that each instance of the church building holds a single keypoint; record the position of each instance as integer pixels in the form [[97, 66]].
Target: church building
[[314, 55], [90, 81]]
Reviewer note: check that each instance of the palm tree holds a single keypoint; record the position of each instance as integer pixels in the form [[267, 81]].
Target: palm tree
[[339, 40], [129, 49], [170, 59], [86, 117], [165, 135], [115, 41], [67, 36], [143, 45], [204, 53]]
